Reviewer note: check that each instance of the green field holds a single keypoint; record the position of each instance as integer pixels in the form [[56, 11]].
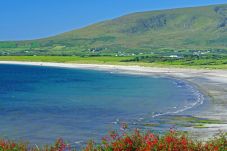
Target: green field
[[147, 61], [66, 59]]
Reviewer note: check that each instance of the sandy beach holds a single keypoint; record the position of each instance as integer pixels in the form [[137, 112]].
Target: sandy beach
[[212, 83]]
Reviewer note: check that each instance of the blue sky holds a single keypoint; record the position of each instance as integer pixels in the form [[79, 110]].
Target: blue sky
[[30, 19]]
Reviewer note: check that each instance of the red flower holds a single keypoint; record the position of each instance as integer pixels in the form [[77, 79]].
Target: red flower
[[2, 144], [160, 146], [184, 141], [169, 139], [13, 145], [216, 148], [128, 141]]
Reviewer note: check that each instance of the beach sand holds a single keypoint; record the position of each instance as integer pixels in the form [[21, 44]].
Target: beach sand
[[212, 83]]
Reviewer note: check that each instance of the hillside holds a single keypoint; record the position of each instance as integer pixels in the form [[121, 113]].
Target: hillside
[[199, 28]]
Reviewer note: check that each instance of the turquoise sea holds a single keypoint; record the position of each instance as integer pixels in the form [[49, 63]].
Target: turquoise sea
[[41, 104]]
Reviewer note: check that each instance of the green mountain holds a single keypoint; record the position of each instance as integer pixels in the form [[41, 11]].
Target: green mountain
[[199, 28]]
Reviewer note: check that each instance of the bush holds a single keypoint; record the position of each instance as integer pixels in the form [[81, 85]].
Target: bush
[[172, 141], [60, 145], [137, 141]]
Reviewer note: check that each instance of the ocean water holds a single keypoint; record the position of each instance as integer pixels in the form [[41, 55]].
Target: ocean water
[[41, 104]]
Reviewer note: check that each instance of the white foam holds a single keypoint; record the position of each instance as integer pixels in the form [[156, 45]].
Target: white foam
[[199, 101]]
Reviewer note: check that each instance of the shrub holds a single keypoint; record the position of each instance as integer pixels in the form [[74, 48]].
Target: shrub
[[136, 141], [172, 141]]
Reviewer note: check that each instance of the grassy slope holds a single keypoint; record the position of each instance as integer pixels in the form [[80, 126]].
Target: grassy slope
[[67, 59], [178, 29]]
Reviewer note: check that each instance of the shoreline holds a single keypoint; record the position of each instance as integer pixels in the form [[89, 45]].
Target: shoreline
[[212, 83]]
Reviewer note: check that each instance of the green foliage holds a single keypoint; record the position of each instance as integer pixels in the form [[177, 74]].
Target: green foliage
[[35, 45], [136, 141], [8, 45], [59, 145], [171, 141], [207, 60], [215, 62], [66, 59]]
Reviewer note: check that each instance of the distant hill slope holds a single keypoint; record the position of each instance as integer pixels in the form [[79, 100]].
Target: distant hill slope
[[177, 29]]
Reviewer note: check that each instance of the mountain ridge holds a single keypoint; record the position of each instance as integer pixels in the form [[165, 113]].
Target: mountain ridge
[[172, 29]]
